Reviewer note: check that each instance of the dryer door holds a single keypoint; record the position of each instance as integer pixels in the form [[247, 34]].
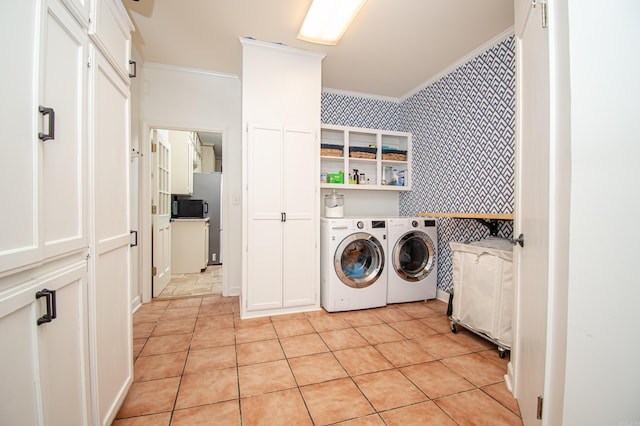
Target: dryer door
[[413, 256], [359, 260]]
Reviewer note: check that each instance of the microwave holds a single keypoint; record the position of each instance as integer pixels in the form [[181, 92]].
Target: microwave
[[189, 208]]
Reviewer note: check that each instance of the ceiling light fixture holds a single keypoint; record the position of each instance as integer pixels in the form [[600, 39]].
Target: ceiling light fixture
[[327, 20]]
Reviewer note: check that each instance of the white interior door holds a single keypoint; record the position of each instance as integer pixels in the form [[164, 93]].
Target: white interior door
[[162, 217], [532, 209]]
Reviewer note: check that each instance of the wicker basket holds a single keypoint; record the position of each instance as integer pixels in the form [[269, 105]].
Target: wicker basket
[[394, 157], [328, 152], [358, 154]]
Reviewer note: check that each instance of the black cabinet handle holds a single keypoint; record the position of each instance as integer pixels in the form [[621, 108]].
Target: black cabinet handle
[[135, 69], [51, 133], [51, 305], [135, 243], [206, 208], [283, 217]]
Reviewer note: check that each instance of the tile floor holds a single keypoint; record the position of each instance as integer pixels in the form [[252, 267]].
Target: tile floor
[[197, 363], [196, 284]]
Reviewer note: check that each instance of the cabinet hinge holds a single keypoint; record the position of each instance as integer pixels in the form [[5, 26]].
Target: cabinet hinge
[[154, 209], [154, 147], [154, 271], [89, 61], [539, 409], [545, 20]]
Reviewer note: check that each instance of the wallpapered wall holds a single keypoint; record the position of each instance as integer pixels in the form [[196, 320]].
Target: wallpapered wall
[[463, 128]]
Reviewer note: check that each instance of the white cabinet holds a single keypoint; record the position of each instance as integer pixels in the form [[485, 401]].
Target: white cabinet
[[182, 158], [64, 166], [281, 118], [44, 373], [189, 245], [380, 158], [42, 156]]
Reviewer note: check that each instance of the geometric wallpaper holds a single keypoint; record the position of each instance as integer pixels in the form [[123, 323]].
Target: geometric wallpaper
[[463, 132]]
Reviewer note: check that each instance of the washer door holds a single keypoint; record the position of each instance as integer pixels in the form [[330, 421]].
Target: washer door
[[413, 256], [359, 260]]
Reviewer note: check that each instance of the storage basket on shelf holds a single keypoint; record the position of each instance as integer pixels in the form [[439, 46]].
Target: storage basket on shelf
[[362, 152], [329, 150], [483, 293], [393, 154]]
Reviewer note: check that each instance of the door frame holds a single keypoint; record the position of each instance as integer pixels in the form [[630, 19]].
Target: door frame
[[145, 231]]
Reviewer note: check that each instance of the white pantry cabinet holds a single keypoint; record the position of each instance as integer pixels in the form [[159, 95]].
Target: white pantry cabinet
[[182, 155], [45, 361], [281, 120], [64, 166]]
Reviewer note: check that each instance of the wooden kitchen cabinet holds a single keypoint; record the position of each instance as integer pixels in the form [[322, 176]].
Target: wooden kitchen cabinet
[[189, 245], [281, 117]]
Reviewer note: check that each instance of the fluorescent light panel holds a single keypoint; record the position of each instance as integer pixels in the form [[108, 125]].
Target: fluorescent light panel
[[327, 20]]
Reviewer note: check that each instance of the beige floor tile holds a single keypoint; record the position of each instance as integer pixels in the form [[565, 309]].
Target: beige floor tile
[[381, 333], [256, 352], [283, 408], [475, 407], [441, 346], [361, 318], [343, 339], [371, 420], [207, 388], [211, 323], [161, 419], [316, 368], [166, 344], [403, 353], [305, 344], [213, 338], [255, 333], [413, 329], [391, 314], [436, 379], [293, 327], [335, 401], [159, 366], [155, 396], [328, 323], [202, 360], [165, 328], [476, 369], [423, 414], [362, 360], [389, 389], [267, 377], [500, 393], [223, 413], [180, 313], [185, 303]]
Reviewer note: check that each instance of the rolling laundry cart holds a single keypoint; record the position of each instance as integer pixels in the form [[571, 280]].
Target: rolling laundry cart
[[483, 290]]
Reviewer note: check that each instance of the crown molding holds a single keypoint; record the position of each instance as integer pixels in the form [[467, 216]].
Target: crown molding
[[360, 95]]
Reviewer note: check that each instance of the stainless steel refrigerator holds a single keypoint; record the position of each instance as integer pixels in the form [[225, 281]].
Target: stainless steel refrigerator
[[208, 187]]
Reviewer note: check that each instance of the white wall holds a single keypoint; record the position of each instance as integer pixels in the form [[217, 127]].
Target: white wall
[[182, 98], [602, 378]]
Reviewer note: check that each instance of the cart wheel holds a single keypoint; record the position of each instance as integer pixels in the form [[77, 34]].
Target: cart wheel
[[454, 328], [502, 352]]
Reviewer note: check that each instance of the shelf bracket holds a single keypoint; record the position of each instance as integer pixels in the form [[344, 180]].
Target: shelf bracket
[[492, 225]]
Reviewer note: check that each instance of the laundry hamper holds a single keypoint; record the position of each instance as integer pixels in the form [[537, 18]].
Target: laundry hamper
[[483, 290]]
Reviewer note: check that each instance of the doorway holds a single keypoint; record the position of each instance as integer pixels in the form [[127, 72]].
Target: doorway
[[189, 163]]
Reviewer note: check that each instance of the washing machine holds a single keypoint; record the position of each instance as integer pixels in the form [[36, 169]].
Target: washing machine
[[412, 273], [353, 274]]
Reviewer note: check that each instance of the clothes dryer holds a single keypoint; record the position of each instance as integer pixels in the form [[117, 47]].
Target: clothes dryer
[[412, 273], [353, 274]]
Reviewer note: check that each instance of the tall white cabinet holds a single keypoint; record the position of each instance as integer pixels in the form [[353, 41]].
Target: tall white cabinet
[[61, 143], [281, 90]]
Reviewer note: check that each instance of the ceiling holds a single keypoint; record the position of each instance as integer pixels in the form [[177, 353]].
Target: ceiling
[[391, 48]]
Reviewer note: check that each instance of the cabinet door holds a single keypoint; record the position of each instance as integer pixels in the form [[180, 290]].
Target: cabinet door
[[301, 229], [19, 244], [63, 81], [109, 291], [265, 209], [63, 349], [44, 369]]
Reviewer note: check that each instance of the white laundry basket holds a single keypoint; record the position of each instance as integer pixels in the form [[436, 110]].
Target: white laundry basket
[[483, 289]]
